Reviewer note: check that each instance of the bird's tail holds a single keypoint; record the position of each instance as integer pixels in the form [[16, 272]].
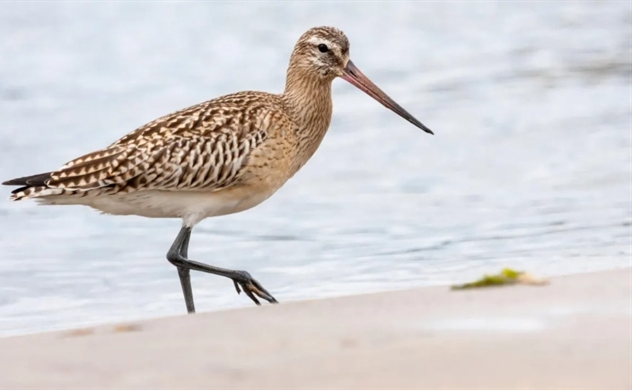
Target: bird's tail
[[32, 186]]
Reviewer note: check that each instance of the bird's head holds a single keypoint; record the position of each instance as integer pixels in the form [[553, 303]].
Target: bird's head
[[323, 52]]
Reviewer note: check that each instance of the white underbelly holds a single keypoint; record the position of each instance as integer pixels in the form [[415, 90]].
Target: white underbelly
[[191, 206]]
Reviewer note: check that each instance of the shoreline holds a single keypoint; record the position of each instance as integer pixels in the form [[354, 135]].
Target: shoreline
[[574, 332], [114, 321]]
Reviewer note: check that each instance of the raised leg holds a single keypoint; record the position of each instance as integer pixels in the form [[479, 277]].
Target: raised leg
[[178, 256]]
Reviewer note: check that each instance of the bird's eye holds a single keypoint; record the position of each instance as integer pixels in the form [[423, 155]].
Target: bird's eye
[[323, 48]]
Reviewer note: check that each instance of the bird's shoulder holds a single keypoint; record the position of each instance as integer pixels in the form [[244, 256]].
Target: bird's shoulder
[[236, 116]]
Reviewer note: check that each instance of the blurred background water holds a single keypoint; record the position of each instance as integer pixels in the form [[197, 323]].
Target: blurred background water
[[530, 166]]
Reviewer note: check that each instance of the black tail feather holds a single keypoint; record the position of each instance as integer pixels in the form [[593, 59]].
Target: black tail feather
[[20, 189], [29, 181]]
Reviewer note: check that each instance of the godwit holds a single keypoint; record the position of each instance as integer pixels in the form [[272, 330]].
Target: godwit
[[219, 157]]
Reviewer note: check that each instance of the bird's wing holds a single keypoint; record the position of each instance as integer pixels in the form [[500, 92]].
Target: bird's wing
[[201, 147]]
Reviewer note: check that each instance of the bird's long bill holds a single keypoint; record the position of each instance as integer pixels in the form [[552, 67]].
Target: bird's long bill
[[357, 78]]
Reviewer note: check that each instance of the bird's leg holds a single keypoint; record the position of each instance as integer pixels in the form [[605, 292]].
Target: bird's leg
[[179, 249], [177, 256]]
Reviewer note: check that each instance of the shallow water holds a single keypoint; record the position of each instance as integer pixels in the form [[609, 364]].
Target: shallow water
[[530, 166]]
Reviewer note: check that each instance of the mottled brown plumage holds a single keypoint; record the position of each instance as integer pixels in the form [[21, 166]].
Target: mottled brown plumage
[[213, 145], [218, 157]]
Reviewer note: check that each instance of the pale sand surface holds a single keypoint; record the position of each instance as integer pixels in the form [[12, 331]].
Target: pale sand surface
[[573, 333]]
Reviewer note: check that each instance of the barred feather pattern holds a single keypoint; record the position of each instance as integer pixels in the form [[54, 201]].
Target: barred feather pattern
[[202, 147], [218, 157]]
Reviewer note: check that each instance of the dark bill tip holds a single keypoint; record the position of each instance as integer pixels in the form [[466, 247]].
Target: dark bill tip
[[359, 80]]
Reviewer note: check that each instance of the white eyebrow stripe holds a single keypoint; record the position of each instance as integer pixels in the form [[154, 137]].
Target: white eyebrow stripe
[[318, 41]]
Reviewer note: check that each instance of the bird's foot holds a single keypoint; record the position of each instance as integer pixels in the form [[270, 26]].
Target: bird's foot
[[244, 281]]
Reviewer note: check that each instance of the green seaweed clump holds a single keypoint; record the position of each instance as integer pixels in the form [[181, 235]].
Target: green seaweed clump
[[506, 277]]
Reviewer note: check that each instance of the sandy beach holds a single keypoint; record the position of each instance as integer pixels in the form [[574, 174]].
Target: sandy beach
[[572, 333]]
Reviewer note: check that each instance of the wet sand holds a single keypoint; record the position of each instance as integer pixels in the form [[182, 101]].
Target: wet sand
[[572, 333]]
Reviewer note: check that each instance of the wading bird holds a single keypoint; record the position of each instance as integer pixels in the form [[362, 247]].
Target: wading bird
[[218, 157]]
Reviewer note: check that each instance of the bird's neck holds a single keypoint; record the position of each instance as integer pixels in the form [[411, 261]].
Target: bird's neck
[[309, 100]]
